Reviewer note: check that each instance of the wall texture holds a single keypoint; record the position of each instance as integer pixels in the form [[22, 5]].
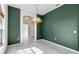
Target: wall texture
[[59, 26]]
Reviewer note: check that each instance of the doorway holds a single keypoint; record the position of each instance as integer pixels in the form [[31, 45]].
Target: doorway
[[25, 32]]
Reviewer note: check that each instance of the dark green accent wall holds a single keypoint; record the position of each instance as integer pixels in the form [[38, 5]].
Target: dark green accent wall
[[78, 29], [39, 29], [13, 25], [60, 24]]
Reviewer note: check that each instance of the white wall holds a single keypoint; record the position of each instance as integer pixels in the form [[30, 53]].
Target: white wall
[[23, 13], [4, 46], [26, 10]]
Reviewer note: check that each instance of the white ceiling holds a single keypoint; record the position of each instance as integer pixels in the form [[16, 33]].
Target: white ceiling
[[45, 8], [30, 9], [26, 9]]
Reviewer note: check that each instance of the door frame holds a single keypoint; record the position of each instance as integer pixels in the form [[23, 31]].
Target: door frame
[[21, 22]]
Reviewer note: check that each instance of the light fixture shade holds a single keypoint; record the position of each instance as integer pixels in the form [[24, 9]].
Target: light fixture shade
[[27, 20], [37, 20]]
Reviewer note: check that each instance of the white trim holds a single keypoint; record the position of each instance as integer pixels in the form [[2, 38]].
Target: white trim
[[21, 23], [6, 23], [61, 47], [35, 31]]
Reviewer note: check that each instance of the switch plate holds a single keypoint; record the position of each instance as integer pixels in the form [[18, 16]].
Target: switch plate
[[55, 38]]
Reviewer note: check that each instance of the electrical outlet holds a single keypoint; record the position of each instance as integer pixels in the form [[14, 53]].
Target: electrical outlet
[[75, 31], [55, 38], [17, 38]]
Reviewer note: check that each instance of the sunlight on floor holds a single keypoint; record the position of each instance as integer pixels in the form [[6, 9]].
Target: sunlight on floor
[[32, 50]]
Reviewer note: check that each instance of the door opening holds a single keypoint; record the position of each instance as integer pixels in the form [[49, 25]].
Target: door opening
[[25, 32]]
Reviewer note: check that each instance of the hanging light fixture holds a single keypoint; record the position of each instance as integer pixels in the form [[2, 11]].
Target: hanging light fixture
[[37, 19]]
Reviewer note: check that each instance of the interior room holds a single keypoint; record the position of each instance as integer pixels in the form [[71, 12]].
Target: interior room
[[39, 29]]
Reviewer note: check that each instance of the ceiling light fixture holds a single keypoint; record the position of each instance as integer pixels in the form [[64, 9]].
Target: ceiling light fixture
[[37, 19]]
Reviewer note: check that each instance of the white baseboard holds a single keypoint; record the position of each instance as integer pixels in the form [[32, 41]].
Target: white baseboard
[[60, 47]]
